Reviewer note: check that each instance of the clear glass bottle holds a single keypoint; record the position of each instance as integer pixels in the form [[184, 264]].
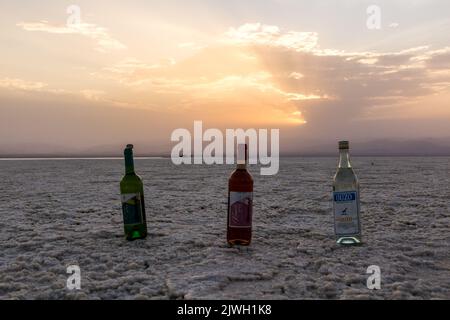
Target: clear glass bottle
[[346, 204]]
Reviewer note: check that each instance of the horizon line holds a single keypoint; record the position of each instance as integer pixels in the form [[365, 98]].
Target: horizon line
[[148, 157]]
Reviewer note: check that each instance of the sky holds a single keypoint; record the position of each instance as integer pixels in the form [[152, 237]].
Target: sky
[[85, 77]]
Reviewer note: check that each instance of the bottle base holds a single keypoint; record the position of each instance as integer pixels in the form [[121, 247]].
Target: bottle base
[[349, 241], [135, 231], [238, 242], [135, 236]]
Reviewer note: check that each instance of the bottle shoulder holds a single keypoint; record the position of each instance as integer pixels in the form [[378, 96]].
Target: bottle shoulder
[[345, 179], [346, 172], [241, 174], [240, 180], [131, 179]]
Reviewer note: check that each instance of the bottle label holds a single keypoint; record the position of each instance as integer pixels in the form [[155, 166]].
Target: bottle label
[[346, 212], [240, 209], [132, 208]]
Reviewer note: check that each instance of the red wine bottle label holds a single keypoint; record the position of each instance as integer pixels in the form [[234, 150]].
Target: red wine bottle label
[[240, 209], [346, 212], [132, 208]]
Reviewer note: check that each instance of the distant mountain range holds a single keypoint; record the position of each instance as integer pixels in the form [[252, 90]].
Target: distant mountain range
[[381, 147], [426, 147]]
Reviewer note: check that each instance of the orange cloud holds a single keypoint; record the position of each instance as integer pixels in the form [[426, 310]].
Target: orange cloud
[[105, 42], [258, 74]]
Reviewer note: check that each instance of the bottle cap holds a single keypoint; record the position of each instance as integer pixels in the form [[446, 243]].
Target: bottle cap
[[130, 146], [344, 145]]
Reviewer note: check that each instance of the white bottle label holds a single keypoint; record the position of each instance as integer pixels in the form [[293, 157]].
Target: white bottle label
[[346, 212], [132, 208], [240, 209]]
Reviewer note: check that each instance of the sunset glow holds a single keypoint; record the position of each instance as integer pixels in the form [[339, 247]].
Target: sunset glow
[[246, 71]]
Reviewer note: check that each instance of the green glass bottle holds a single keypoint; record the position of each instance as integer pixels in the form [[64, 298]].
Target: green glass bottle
[[132, 196]]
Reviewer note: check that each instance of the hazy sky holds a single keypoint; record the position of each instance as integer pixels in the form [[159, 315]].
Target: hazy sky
[[134, 71]]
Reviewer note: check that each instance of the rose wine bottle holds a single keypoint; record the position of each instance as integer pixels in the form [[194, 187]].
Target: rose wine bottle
[[347, 225], [132, 196], [240, 201]]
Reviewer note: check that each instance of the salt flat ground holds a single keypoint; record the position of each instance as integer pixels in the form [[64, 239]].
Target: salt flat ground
[[57, 213]]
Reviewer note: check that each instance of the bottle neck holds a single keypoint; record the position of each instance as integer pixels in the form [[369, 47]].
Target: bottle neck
[[129, 162], [241, 166], [242, 156], [344, 159]]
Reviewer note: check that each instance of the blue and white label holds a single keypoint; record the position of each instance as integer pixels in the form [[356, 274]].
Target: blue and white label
[[344, 196], [346, 212]]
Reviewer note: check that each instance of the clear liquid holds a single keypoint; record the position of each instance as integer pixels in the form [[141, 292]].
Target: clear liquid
[[346, 180]]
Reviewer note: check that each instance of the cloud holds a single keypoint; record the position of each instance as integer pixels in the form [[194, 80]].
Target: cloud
[[219, 78], [261, 69], [14, 83], [40, 89], [296, 75], [439, 59], [94, 95], [261, 34], [262, 75], [104, 41]]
